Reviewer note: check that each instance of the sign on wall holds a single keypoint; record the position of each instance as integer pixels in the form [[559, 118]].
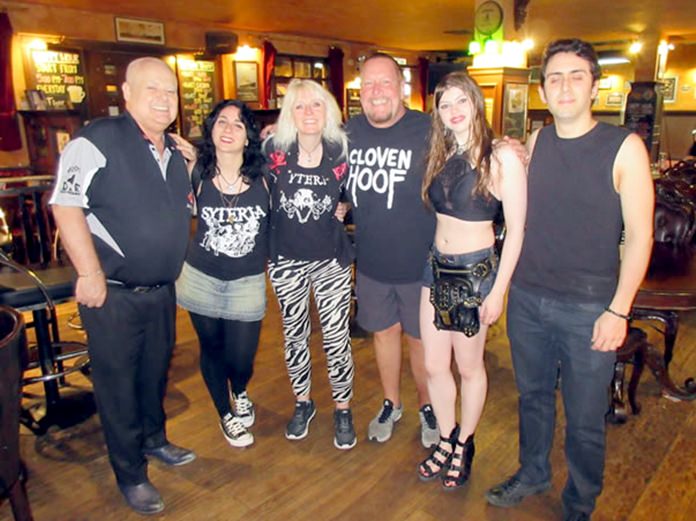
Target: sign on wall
[[197, 91], [60, 76]]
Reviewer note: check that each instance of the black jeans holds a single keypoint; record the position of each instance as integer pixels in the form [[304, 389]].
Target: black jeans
[[545, 335], [228, 349], [130, 341]]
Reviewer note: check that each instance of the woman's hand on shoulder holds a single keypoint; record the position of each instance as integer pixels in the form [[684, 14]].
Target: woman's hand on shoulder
[[514, 145], [187, 149], [510, 154]]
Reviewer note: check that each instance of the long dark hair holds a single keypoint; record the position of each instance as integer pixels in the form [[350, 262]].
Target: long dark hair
[[443, 144], [253, 162]]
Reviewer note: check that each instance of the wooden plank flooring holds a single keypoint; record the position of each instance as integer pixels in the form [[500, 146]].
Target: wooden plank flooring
[[650, 472]]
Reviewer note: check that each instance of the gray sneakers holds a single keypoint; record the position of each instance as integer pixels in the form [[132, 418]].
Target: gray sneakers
[[430, 434], [382, 426], [235, 432], [298, 426], [511, 491], [243, 408], [344, 437]]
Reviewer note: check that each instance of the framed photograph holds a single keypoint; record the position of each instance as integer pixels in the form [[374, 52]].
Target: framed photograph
[[614, 99], [515, 110], [605, 83], [139, 31], [246, 77], [669, 89]]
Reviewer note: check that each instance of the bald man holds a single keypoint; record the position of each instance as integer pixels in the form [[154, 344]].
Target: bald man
[[122, 202]]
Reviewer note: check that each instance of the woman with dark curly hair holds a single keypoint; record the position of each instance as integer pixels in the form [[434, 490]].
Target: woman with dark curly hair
[[222, 283]]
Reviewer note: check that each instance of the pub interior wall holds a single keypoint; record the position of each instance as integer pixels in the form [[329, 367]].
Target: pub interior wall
[[77, 25]]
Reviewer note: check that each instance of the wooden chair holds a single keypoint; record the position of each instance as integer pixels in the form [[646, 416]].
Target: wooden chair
[[12, 472], [36, 287]]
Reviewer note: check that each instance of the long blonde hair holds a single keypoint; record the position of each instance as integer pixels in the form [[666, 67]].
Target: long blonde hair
[[443, 144], [286, 132]]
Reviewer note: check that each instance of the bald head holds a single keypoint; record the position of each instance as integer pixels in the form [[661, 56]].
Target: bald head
[[137, 66], [150, 91]]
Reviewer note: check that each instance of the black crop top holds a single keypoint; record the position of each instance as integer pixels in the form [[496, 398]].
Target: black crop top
[[451, 193]]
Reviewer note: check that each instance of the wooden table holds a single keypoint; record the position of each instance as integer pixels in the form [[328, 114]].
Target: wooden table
[[669, 288]]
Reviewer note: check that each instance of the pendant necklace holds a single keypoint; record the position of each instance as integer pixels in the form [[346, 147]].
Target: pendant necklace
[[231, 203], [308, 153]]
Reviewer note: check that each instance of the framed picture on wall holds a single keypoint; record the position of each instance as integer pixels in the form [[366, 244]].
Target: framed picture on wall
[[669, 89], [605, 83], [139, 31], [246, 77], [514, 115], [614, 99]]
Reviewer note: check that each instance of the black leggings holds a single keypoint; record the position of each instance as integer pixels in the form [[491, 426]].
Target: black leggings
[[228, 349]]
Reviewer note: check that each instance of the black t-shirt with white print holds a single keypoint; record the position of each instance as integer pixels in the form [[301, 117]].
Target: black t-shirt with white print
[[393, 227], [231, 239], [304, 201]]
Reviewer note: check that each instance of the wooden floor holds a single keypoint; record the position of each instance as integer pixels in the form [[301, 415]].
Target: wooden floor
[[650, 472]]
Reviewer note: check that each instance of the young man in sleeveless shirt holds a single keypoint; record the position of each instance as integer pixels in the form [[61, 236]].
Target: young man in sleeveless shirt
[[571, 294]]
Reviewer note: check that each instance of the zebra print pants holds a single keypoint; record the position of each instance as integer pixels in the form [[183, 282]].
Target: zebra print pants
[[291, 281]]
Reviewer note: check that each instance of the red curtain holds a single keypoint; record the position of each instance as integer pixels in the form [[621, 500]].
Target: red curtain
[[9, 129], [336, 74], [423, 79], [269, 56]]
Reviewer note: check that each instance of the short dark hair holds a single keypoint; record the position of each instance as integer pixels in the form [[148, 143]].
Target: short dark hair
[[386, 56], [579, 48]]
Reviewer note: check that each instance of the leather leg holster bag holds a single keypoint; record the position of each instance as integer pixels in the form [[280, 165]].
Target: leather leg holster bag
[[455, 294]]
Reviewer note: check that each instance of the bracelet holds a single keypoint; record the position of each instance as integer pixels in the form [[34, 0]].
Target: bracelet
[[625, 317], [98, 272]]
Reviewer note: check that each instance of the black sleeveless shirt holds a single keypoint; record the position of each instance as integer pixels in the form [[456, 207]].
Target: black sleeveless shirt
[[571, 245], [451, 192], [231, 239]]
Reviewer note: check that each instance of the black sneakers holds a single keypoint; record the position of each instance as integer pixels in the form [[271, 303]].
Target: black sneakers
[[298, 426], [344, 437], [512, 491]]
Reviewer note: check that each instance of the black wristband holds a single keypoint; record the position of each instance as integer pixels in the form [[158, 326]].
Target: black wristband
[[625, 317]]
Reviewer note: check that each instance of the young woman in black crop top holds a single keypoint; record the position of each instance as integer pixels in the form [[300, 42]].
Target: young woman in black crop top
[[466, 181], [222, 283]]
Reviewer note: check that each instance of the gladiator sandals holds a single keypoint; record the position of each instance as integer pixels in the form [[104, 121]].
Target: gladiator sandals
[[439, 459], [460, 464]]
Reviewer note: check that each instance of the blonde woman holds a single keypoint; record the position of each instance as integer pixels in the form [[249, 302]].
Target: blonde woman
[[309, 248]]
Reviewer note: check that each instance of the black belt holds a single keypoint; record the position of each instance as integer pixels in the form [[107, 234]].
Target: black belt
[[134, 289]]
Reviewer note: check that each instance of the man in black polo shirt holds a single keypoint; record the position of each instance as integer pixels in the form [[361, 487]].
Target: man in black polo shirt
[[571, 293], [122, 202]]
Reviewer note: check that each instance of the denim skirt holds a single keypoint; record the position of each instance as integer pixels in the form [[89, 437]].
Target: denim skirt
[[241, 299], [459, 260]]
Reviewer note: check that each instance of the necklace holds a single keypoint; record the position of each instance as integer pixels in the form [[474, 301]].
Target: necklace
[[308, 153], [231, 203], [224, 180]]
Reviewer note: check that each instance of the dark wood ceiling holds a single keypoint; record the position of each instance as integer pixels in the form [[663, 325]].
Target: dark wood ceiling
[[412, 24]]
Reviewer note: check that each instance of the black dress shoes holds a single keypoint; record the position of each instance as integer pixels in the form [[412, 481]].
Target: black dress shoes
[[143, 498], [170, 454]]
